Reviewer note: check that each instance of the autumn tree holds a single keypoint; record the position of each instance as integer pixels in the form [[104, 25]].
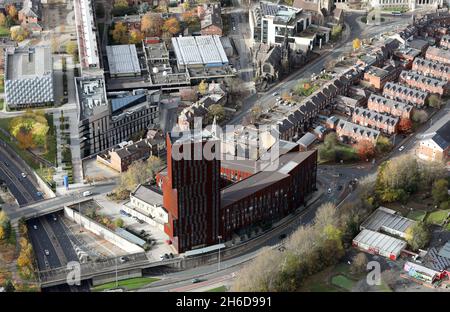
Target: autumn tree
[[404, 125], [136, 36], [12, 11], [120, 33], [365, 149], [202, 87], [3, 19], [5, 226], [356, 44], [190, 17], [172, 26], [151, 24], [25, 139], [336, 32], [19, 33]]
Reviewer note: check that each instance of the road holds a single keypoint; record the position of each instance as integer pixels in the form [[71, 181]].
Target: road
[[50, 205], [23, 189], [357, 30]]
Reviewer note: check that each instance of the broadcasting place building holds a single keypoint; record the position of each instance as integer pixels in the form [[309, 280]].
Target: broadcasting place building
[[205, 207]]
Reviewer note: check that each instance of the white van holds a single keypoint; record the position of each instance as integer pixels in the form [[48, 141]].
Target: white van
[[87, 193]]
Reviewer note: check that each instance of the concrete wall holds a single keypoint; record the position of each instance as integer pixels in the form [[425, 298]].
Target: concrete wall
[[44, 186], [102, 279], [102, 231]]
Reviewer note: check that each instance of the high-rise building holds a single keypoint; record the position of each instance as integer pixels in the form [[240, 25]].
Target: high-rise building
[[192, 190]]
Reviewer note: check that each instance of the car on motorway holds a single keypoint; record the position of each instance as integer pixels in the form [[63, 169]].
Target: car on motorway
[[35, 227], [329, 190], [275, 94], [54, 218], [401, 148], [234, 28], [196, 280], [46, 252], [24, 175]]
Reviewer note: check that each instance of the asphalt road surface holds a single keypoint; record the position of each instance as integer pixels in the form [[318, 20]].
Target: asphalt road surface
[[23, 190]]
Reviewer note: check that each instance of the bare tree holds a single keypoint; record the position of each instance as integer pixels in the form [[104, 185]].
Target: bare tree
[[359, 264]]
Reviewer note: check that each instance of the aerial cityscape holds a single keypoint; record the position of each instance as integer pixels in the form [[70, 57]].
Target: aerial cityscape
[[224, 146]]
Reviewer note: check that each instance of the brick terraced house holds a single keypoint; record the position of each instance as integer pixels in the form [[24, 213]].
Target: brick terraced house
[[431, 68], [375, 120], [387, 106], [355, 132], [438, 55], [424, 83], [401, 93]]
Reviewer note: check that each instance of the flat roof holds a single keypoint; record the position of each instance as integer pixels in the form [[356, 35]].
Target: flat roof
[[123, 59], [130, 237], [28, 62], [199, 50], [388, 219], [148, 194], [262, 179], [380, 241]]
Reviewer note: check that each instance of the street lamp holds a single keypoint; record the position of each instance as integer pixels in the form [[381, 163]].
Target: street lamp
[[218, 265]]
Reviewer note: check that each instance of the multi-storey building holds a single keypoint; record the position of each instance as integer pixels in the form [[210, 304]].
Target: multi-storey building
[[269, 22], [375, 120], [191, 190], [401, 93], [424, 83], [378, 77], [104, 123], [384, 105], [29, 78], [430, 68]]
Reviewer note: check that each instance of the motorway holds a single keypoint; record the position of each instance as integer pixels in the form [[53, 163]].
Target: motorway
[[23, 189]]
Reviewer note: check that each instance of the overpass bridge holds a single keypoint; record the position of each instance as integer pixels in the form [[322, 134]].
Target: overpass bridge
[[98, 269]]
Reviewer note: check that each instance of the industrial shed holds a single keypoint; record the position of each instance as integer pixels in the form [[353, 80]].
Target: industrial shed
[[387, 221], [379, 244]]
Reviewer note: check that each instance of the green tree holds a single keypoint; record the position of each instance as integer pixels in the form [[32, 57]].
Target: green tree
[[9, 286], [420, 116], [119, 222], [440, 191], [417, 235], [72, 49], [434, 101], [217, 111], [19, 33], [120, 4], [384, 145], [336, 32]]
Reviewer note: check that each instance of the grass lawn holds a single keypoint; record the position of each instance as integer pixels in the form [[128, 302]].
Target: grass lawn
[[218, 289], [417, 215], [2, 102], [128, 284], [437, 217], [448, 227], [50, 155], [4, 31], [343, 282]]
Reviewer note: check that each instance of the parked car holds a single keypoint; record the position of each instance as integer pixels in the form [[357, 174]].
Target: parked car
[[24, 175], [275, 94], [196, 280], [87, 193], [329, 190], [401, 148], [35, 227], [123, 212], [54, 218], [39, 194], [46, 252]]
